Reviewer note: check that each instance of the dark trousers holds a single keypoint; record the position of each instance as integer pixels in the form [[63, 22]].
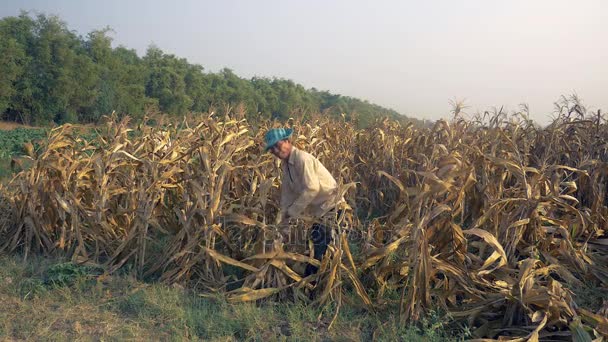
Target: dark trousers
[[320, 235]]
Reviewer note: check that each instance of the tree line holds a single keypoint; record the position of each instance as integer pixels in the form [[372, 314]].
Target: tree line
[[49, 73]]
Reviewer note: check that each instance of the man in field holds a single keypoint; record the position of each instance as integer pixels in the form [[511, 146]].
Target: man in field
[[307, 189]]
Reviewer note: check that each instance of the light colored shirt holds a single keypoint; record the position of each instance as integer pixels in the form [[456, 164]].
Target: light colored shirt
[[307, 187]]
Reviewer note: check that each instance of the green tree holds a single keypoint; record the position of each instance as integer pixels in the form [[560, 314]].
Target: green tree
[[197, 88], [166, 81], [12, 62], [51, 74], [120, 84], [130, 75]]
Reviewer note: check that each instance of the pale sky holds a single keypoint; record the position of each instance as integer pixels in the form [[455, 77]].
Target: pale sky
[[412, 56]]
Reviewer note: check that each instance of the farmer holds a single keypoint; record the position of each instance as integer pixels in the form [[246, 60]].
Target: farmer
[[307, 189]]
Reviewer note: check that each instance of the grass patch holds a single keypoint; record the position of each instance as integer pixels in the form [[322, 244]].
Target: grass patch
[[590, 297], [42, 299]]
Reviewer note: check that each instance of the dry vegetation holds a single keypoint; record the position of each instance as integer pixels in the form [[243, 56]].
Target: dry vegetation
[[492, 219]]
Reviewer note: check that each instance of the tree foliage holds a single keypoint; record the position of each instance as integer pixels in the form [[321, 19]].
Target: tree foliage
[[51, 74]]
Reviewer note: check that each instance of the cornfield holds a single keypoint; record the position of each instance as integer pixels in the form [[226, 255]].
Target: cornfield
[[491, 219]]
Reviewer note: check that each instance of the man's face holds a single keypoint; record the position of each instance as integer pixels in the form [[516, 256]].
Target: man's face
[[281, 149]]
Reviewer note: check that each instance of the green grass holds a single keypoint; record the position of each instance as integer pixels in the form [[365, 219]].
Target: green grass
[[54, 300], [590, 297]]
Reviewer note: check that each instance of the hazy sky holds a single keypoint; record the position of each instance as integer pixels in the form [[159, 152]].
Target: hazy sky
[[412, 56]]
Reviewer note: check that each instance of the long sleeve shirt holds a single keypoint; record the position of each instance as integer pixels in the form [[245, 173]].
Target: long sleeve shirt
[[307, 187]]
